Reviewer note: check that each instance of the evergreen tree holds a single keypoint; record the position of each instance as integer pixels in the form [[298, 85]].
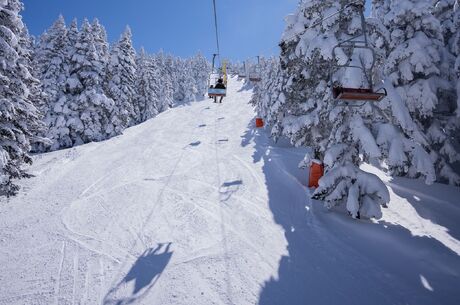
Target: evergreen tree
[[121, 74], [189, 82], [72, 37], [148, 87], [100, 40], [180, 73], [268, 95], [420, 86], [342, 136], [200, 74], [166, 75], [19, 118], [455, 49], [445, 123], [36, 95], [88, 110], [51, 62]]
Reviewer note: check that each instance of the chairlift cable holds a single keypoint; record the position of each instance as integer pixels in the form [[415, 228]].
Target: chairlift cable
[[216, 74], [216, 26]]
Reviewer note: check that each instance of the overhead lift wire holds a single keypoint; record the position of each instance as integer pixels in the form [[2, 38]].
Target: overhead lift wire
[[216, 27]]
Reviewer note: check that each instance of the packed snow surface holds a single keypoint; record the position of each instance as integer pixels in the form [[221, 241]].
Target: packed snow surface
[[196, 206]]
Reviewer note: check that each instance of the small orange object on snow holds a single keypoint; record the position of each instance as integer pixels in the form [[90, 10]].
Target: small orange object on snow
[[259, 122], [316, 172]]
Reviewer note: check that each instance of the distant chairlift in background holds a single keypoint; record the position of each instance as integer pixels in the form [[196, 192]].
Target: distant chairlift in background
[[242, 72], [360, 57], [254, 74]]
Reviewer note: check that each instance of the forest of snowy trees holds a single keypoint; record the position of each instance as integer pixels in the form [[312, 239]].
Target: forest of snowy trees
[[70, 86], [413, 132]]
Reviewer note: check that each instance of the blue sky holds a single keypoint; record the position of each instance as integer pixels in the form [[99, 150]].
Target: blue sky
[[180, 27]]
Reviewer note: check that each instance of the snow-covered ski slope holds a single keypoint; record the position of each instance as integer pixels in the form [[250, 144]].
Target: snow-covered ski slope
[[197, 207]]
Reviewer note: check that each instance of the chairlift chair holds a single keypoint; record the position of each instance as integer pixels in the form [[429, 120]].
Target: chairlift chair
[[254, 75], [215, 75], [242, 72], [215, 92], [349, 96]]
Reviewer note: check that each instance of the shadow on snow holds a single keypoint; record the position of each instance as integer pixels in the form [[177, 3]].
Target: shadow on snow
[[144, 274], [333, 259]]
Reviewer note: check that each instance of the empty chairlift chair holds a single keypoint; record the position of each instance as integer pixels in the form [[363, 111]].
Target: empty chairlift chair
[[255, 76], [360, 58], [242, 71]]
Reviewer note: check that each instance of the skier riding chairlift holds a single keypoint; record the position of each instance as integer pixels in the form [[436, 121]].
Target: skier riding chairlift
[[219, 85]]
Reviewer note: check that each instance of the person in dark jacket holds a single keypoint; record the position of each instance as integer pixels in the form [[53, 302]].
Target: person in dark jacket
[[219, 85]]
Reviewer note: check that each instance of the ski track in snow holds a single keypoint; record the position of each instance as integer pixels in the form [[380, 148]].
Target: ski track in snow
[[196, 206]]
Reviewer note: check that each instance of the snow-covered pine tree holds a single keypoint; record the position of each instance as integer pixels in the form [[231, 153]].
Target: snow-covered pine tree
[[341, 135], [37, 130], [166, 75], [121, 74], [72, 37], [180, 73], [455, 49], [51, 62], [445, 126], [261, 87], [201, 69], [18, 116], [189, 82], [87, 109], [100, 40], [415, 139], [147, 86], [49, 58], [268, 95]]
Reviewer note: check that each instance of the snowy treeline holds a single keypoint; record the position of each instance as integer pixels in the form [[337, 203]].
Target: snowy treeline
[[95, 90], [413, 132], [71, 86]]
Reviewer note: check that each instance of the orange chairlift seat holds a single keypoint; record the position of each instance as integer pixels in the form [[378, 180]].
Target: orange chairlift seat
[[357, 94]]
